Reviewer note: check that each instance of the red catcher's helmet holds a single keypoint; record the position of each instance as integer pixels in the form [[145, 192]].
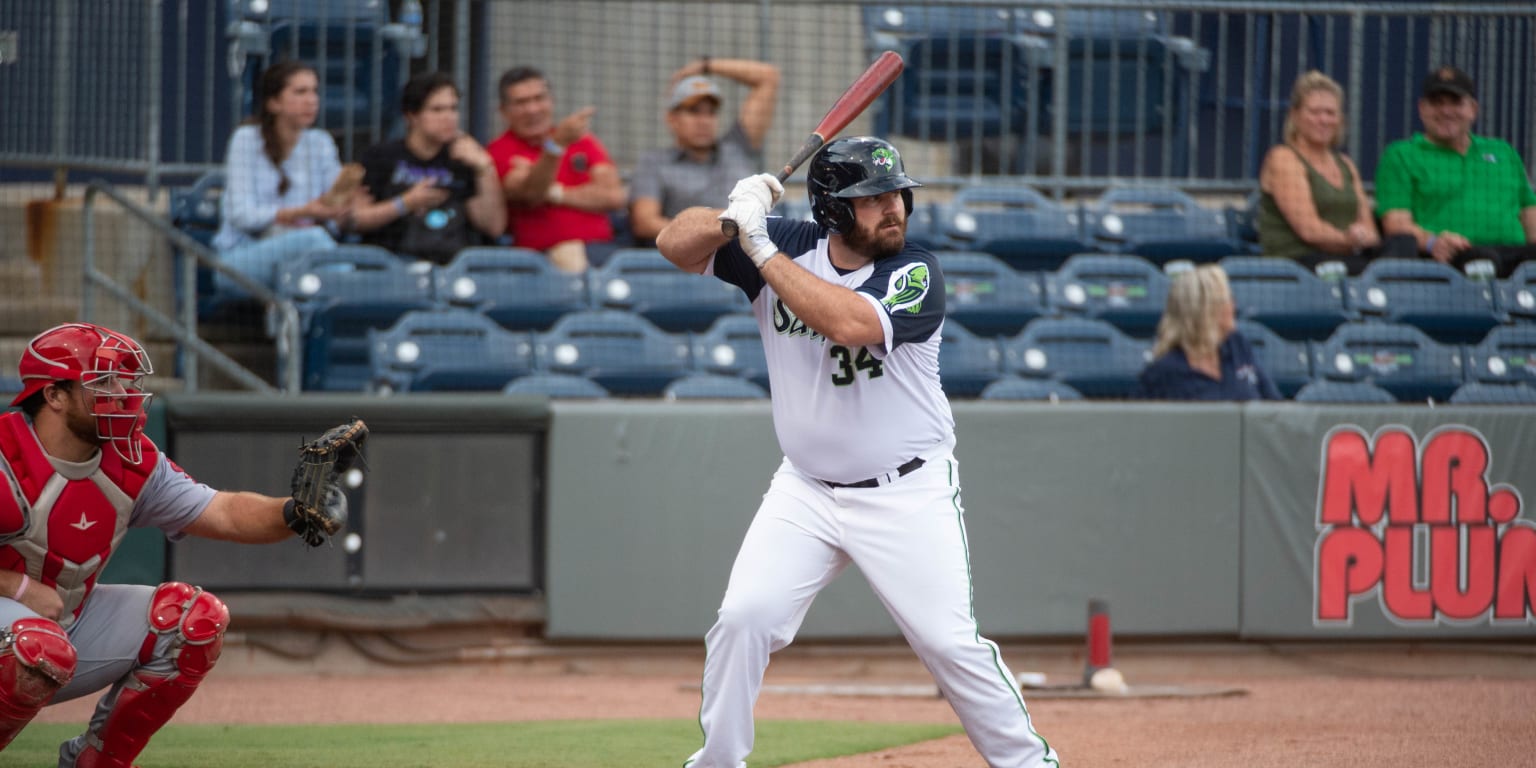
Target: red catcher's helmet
[[107, 364]]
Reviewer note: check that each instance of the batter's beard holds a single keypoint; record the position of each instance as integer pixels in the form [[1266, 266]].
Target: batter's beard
[[874, 244]]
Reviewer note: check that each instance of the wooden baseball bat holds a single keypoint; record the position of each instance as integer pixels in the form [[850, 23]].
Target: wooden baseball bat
[[860, 94]]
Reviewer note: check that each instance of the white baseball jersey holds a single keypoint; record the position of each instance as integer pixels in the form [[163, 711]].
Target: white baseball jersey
[[844, 414]]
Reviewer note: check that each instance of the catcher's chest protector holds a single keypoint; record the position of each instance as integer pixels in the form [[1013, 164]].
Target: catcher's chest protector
[[78, 512]]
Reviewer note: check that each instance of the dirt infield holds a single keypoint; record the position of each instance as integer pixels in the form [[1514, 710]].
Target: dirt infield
[[1386, 705]]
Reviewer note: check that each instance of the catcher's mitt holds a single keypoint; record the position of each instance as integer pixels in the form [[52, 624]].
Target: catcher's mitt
[[318, 508]]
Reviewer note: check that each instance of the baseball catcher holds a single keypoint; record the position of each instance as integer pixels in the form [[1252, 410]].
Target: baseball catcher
[[77, 471]]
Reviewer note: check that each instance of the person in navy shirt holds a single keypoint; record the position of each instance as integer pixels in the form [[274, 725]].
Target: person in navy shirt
[[1199, 354]]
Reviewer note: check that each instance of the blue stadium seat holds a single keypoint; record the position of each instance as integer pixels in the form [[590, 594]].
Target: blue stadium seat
[[1397, 358], [621, 351], [1506, 355], [556, 385], [1025, 229], [343, 292], [1127, 291], [195, 211], [924, 227], [1243, 223], [709, 386], [1160, 224], [1288, 363], [1090, 356], [733, 346], [343, 39], [642, 281], [1433, 297], [1484, 393], [987, 296], [1330, 391], [453, 350], [1018, 388], [1285, 297], [960, 85], [1517, 294], [516, 287], [967, 362]]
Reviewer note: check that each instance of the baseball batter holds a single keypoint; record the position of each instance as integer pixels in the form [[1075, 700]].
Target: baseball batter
[[76, 471], [851, 316]]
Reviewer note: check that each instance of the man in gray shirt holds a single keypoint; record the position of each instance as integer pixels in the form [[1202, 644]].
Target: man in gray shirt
[[702, 166]]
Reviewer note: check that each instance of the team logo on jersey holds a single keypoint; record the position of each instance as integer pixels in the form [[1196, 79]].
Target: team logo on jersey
[[785, 323], [884, 158], [908, 288]]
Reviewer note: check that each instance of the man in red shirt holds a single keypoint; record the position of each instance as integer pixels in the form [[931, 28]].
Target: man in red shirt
[[559, 183]]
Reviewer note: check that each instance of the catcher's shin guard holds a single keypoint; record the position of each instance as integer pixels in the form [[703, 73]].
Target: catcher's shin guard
[[149, 699], [36, 660]]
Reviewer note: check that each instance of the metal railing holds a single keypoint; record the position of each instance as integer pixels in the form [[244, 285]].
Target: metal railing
[[184, 328]]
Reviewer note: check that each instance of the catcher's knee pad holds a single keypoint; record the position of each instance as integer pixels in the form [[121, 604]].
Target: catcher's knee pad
[[36, 660], [198, 619]]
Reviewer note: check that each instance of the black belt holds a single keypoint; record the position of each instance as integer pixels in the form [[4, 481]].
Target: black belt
[[874, 482]]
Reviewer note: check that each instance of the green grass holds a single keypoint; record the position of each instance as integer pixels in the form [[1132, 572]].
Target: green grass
[[550, 744]]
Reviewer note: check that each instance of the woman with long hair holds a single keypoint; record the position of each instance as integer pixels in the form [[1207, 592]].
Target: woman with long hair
[[1312, 205], [278, 169], [1199, 353]]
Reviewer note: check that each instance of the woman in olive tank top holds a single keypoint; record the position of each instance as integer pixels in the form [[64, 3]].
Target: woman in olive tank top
[[1312, 206]]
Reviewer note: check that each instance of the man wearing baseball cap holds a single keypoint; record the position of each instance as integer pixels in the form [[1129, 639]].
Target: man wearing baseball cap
[[1461, 197], [702, 166]]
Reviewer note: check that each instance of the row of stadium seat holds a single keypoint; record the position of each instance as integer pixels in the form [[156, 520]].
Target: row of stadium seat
[[459, 350]]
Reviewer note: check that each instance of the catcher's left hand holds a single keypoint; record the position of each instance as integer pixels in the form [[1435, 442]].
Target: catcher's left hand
[[318, 508]]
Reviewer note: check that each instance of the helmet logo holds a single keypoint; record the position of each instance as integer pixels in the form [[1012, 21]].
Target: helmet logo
[[884, 159], [908, 288]]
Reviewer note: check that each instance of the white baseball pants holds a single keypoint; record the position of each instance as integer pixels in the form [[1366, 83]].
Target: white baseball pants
[[908, 538]]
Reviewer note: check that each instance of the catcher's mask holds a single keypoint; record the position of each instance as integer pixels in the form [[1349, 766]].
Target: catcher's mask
[[108, 365], [858, 166]]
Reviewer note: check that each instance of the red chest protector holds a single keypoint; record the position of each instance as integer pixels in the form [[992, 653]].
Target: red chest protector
[[60, 521]]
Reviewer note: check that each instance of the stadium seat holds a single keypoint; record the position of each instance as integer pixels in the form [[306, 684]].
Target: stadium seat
[[195, 211], [1517, 294], [1159, 224], [733, 346], [709, 386], [925, 227], [988, 297], [555, 385], [1025, 229], [516, 287], [1484, 393], [1330, 391], [1018, 388], [453, 350], [642, 281], [1285, 297], [1127, 291], [960, 86], [1243, 223], [967, 362], [1288, 363], [1506, 355], [621, 351], [1397, 358], [341, 293], [1088, 355], [1428, 295]]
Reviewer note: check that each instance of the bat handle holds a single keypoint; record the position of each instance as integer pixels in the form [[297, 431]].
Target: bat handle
[[729, 228]]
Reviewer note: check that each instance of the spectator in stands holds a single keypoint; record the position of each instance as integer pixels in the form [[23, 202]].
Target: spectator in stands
[[435, 191], [559, 183], [702, 166], [1312, 205], [1199, 354], [278, 169], [1459, 197]]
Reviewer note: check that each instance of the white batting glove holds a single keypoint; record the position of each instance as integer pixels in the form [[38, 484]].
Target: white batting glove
[[763, 187]]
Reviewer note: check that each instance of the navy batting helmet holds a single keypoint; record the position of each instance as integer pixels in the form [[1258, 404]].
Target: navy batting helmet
[[858, 166]]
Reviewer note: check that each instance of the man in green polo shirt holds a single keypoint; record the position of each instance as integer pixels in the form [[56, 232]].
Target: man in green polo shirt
[[1461, 197]]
